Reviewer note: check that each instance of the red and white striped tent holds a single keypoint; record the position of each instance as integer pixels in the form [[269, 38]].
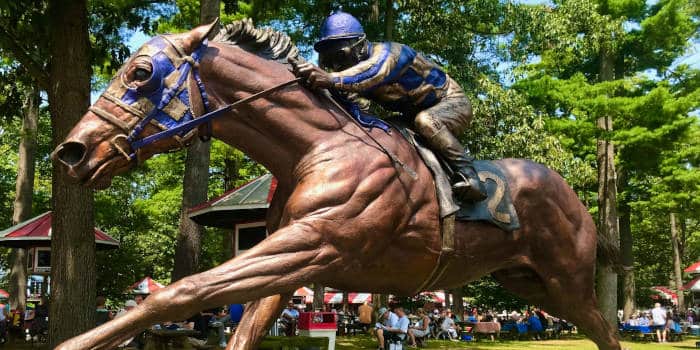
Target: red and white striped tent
[[665, 293], [693, 285], [145, 286], [436, 297], [693, 269], [353, 298], [333, 297], [305, 292], [4, 294]]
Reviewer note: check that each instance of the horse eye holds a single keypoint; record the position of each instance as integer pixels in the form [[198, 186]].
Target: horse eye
[[141, 74]]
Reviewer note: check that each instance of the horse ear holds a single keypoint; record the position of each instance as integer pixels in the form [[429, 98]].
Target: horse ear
[[197, 35]]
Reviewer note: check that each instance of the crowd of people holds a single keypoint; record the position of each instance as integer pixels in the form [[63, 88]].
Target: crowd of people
[[30, 323], [661, 321], [441, 323], [395, 325]]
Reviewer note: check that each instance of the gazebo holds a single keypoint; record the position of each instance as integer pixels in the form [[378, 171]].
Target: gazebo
[[242, 209], [35, 236]]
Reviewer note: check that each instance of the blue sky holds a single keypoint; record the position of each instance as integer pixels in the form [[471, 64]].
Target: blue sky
[[691, 58]]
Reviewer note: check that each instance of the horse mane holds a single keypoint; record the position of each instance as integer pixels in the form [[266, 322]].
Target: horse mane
[[264, 42]]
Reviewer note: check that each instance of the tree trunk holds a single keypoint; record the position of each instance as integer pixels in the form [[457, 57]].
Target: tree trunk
[[606, 288], [194, 185], [72, 306], [24, 192], [457, 302], [230, 177], [677, 267], [389, 21], [626, 244], [318, 297], [374, 11], [607, 221], [345, 302]]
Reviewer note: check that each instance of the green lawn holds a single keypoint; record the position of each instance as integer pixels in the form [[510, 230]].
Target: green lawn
[[364, 342]]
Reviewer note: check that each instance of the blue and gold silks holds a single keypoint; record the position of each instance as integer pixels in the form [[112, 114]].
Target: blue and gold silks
[[396, 77]]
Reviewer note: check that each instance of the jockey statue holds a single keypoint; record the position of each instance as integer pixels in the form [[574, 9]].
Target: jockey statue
[[400, 80]]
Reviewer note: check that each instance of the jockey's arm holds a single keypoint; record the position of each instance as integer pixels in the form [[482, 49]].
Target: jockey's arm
[[386, 62]]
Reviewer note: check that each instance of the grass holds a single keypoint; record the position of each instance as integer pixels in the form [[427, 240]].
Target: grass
[[364, 342]]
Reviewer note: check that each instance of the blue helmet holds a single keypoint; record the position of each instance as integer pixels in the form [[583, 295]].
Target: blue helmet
[[339, 25]]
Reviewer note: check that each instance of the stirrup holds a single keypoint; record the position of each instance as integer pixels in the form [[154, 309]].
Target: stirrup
[[468, 188]]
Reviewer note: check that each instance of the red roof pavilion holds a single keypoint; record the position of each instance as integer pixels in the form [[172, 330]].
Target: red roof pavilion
[[694, 268], [36, 232], [246, 203]]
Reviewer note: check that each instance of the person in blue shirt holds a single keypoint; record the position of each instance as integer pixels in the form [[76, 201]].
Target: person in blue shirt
[[401, 80], [235, 312], [534, 324], [386, 319], [290, 316]]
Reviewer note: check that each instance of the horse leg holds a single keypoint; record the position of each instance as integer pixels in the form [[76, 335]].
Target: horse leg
[[257, 318], [564, 296], [291, 256]]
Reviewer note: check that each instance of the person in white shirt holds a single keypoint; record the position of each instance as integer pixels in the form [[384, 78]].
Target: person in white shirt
[[128, 306], [387, 319], [399, 330], [448, 325], [658, 315]]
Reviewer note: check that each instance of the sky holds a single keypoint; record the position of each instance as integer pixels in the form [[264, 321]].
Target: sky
[[691, 58]]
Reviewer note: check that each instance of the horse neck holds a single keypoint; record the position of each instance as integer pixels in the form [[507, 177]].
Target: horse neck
[[276, 130]]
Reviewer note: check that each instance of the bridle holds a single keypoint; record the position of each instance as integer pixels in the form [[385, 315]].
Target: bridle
[[167, 102], [181, 125], [179, 121]]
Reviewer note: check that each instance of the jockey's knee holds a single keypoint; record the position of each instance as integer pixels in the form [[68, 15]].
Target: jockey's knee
[[426, 124]]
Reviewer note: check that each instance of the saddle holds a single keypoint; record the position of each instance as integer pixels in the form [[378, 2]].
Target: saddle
[[497, 208]]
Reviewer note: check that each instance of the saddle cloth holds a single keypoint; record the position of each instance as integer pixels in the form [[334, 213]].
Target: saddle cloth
[[497, 208]]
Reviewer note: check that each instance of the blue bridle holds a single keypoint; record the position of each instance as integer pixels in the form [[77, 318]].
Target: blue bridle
[[163, 100]]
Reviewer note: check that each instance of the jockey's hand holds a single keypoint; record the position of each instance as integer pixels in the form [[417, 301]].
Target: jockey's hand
[[315, 77]]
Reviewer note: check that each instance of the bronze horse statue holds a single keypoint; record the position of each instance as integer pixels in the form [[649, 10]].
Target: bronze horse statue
[[343, 214]]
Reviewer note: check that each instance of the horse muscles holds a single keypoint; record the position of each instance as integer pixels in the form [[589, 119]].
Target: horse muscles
[[342, 214]]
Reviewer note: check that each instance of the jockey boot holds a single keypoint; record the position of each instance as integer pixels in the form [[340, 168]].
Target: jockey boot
[[465, 182]]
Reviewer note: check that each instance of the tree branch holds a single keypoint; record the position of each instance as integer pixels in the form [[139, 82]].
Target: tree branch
[[12, 46]]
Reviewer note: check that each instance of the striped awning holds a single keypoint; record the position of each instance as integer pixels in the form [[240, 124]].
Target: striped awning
[[353, 298]]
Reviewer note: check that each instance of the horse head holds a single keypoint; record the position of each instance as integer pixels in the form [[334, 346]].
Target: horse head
[[136, 117]]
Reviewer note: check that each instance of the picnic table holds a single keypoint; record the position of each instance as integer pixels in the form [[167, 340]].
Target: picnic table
[[165, 339], [514, 330], [638, 332]]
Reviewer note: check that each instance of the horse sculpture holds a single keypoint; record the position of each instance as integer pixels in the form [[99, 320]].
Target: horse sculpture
[[343, 214]]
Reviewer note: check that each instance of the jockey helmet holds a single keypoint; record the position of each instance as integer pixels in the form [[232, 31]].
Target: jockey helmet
[[339, 25]]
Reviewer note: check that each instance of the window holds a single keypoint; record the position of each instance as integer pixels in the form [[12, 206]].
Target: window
[[248, 235], [43, 260]]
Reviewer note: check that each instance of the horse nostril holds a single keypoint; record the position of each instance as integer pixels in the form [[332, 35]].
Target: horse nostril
[[71, 153]]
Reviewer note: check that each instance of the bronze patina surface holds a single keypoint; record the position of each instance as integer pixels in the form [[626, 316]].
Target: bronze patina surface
[[342, 215]]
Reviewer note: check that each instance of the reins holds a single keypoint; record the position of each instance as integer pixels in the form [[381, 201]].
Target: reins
[[190, 125], [188, 68]]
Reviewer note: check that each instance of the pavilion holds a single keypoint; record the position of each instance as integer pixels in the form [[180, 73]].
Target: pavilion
[[35, 236], [242, 209]]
